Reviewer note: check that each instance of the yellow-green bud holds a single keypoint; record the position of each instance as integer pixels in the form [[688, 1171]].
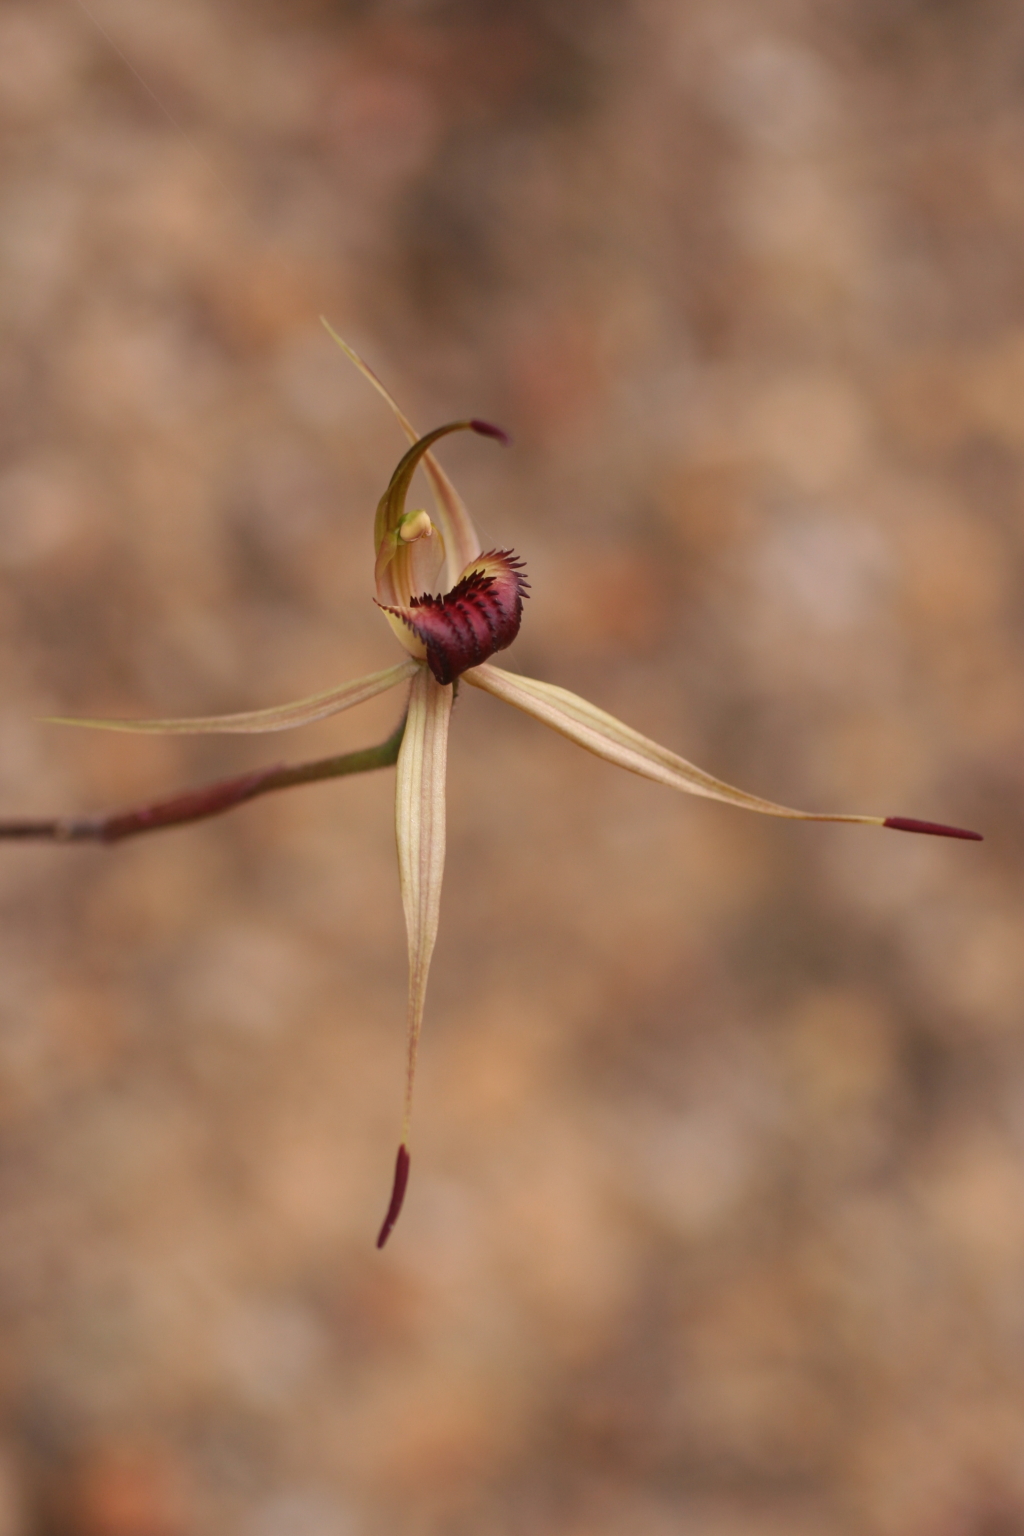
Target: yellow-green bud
[[415, 525]]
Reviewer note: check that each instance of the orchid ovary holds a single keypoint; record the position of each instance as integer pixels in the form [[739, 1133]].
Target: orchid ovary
[[448, 636]]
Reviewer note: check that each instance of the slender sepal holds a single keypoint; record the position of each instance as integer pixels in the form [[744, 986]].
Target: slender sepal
[[607, 737], [420, 833], [460, 537], [283, 717], [410, 550]]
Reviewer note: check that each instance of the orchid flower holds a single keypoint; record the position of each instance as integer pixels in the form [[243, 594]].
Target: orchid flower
[[451, 607]]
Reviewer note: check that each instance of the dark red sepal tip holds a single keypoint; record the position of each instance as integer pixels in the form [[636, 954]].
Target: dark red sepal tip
[[488, 429], [397, 1195], [931, 828]]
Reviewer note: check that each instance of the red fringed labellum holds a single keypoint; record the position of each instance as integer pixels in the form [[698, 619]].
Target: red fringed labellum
[[480, 615]]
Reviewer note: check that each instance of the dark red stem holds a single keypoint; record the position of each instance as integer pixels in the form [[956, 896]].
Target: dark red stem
[[197, 804]]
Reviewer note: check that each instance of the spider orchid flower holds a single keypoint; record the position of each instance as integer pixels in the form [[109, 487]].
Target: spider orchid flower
[[449, 634]]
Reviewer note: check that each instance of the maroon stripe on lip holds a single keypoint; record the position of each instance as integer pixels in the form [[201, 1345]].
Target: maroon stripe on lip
[[480, 615], [931, 828]]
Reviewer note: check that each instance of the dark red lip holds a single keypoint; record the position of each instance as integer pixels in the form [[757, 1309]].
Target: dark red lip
[[480, 615]]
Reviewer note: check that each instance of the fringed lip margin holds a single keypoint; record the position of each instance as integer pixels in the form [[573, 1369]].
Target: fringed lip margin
[[479, 616]]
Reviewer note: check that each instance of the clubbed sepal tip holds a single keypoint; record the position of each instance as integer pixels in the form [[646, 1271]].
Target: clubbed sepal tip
[[488, 429], [930, 828], [398, 1189]]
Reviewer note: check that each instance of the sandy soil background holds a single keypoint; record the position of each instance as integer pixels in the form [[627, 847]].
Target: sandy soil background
[[717, 1215]]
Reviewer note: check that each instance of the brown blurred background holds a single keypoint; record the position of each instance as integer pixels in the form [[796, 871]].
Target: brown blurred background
[[717, 1216]]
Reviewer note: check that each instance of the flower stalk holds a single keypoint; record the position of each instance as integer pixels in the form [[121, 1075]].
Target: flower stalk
[[447, 634], [200, 804]]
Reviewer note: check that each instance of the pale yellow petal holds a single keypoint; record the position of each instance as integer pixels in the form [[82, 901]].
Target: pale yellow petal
[[600, 733], [283, 717], [462, 542]]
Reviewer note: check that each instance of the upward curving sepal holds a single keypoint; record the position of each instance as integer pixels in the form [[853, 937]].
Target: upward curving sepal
[[391, 508], [480, 615], [410, 550], [461, 539]]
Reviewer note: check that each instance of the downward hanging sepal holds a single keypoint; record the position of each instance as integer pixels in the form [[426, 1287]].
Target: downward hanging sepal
[[420, 833]]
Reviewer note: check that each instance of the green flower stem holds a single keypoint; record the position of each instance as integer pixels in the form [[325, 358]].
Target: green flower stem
[[197, 804]]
